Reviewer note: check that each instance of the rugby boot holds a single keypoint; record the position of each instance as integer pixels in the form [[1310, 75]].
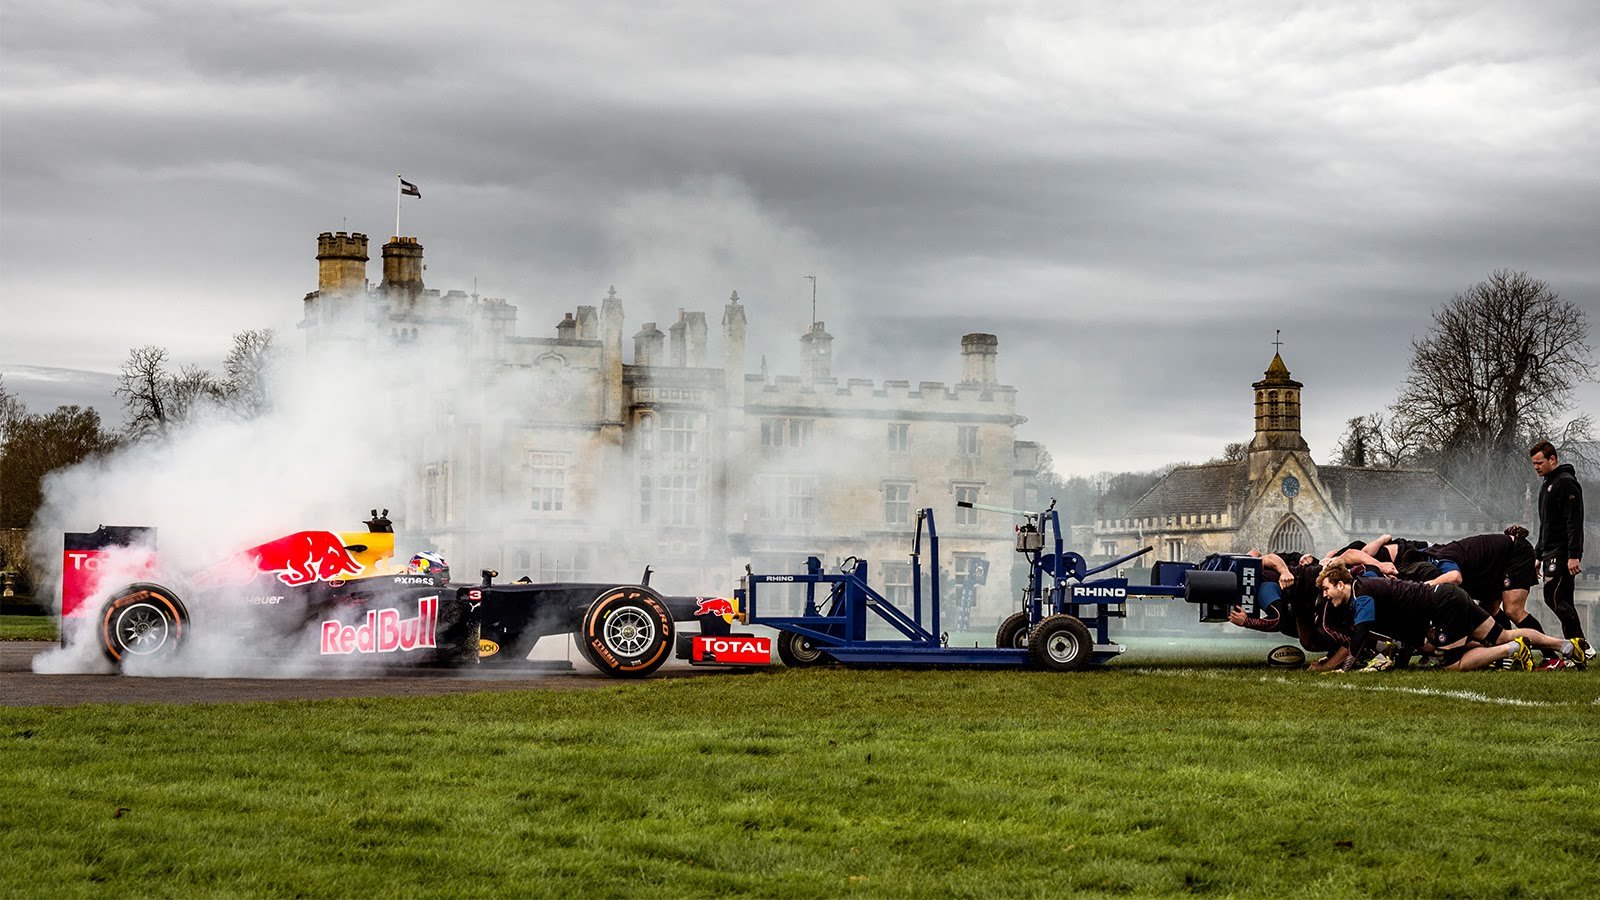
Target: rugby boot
[[1521, 657]]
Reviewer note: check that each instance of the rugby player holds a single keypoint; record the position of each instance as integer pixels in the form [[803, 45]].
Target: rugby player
[[1293, 606], [1408, 610]]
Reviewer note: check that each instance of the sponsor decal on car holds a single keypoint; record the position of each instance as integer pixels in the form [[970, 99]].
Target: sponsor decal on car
[[264, 600], [296, 559], [740, 649], [384, 631], [487, 647]]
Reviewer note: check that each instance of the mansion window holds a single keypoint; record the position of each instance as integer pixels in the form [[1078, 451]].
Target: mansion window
[[680, 497], [434, 494], [967, 440], [679, 431], [966, 493], [969, 568], [1173, 549], [564, 564], [897, 582], [897, 504], [778, 435], [899, 437], [644, 501], [552, 563], [1108, 548], [549, 488], [789, 498]]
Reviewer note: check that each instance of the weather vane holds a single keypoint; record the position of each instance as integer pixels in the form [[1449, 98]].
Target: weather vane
[[1277, 344]]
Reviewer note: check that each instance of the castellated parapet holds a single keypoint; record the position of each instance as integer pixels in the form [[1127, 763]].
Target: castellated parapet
[[341, 262]]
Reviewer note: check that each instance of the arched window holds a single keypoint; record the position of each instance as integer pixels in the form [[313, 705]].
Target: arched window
[[1291, 536]]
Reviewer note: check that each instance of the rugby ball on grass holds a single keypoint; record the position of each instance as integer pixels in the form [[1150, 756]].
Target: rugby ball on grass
[[1287, 656]]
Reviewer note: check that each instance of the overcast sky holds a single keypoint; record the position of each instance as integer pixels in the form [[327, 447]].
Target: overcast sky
[[1131, 195]]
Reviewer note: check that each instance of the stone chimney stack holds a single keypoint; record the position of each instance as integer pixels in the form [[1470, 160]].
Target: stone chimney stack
[[588, 324], [978, 353], [567, 329], [648, 346], [677, 341], [816, 354], [610, 352], [733, 329], [402, 265], [341, 262], [695, 324]]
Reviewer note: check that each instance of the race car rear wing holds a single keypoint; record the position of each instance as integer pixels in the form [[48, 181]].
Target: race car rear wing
[[82, 554]]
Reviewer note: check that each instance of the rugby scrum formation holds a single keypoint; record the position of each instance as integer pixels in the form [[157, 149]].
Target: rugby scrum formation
[[1463, 605]]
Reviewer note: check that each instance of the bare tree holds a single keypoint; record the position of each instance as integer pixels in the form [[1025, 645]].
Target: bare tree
[[155, 400], [1501, 363], [12, 409], [247, 370], [1233, 451], [142, 385], [1496, 372], [1373, 441], [190, 391]]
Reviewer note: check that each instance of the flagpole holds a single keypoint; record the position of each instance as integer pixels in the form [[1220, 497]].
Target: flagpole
[[397, 205]]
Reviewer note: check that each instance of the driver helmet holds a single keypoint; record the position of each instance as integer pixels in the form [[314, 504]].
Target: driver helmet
[[429, 563]]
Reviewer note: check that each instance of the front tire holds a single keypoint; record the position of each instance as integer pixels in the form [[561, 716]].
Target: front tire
[[1061, 644], [798, 651], [142, 621], [1013, 633], [626, 632]]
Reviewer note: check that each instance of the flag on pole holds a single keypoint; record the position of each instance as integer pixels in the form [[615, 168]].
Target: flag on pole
[[409, 189]]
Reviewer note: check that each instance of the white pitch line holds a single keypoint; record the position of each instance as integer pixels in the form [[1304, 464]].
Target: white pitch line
[[1342, 684], [1472, 696]]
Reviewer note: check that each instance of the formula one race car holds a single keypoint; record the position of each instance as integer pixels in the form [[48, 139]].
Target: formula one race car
[[334, 596]]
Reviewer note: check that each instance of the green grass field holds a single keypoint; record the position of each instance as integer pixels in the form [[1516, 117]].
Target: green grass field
[[1137, 780], [27, 628]]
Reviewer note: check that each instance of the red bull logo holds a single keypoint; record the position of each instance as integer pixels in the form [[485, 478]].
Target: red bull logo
[[384, 631], [299, 558], [714, 606]]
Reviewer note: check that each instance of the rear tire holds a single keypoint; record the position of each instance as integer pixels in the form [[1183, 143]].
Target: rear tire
[[626, 632], [798, 651], [142, 621], [1061, 644], [1013, 633]]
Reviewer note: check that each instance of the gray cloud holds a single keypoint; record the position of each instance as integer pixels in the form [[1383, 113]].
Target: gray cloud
[[1107, 186]]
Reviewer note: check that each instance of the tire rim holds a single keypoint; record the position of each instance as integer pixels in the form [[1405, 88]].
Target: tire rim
[[804, 650], [630, 632], [142, 629], [1062, 647]]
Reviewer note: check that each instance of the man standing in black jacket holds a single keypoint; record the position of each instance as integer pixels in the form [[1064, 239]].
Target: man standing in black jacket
[[1560, 546]]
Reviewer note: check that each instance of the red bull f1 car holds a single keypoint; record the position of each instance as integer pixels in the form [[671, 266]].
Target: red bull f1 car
[[339, 597]]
